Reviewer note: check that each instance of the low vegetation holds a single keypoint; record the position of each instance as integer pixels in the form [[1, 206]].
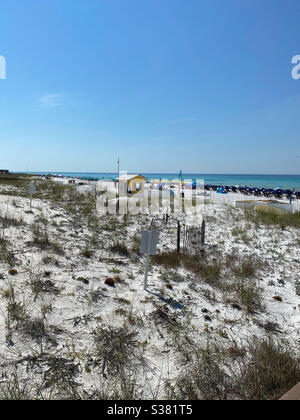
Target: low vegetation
[[270, 371], [118, 349], [271, 218]]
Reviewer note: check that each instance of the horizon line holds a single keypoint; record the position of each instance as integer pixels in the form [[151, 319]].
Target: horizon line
[[160, 173]]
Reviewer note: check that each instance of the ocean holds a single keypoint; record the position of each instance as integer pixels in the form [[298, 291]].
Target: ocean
[[253, 180]]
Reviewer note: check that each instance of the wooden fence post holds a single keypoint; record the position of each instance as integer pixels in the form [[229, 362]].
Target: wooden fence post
[[203, 233]]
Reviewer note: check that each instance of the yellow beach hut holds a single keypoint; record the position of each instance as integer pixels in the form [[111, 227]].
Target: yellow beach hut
[[135, 183]]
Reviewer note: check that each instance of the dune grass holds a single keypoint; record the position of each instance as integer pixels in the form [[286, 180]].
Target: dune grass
[[270, 218], [270, 369]]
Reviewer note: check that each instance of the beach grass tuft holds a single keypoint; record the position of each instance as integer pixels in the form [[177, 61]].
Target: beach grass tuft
[[269, 370], [270, 218]]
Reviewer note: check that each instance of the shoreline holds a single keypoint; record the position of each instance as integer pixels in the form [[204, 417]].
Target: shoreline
[[258, 192], [268, 181]]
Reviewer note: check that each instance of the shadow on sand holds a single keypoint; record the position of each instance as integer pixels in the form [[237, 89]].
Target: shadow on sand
[[169, 301]]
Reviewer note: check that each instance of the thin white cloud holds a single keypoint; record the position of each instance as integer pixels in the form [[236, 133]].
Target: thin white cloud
[[179, 121], [53, 101]]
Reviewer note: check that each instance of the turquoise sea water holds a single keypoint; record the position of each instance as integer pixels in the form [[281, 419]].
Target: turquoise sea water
[[261, 181]]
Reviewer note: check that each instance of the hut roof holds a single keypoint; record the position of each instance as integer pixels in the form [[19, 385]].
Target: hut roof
[[129, 177]]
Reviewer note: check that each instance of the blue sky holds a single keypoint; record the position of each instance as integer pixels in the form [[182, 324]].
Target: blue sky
[[197, 85]]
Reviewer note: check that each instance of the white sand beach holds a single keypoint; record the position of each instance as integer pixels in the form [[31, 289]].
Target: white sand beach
[[71, 284]]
